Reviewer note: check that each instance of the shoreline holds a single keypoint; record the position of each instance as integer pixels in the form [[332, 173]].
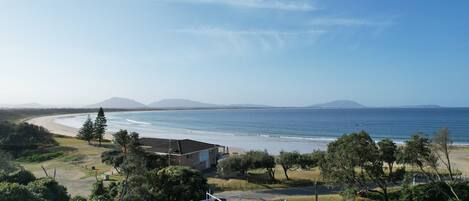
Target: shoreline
[[49, 123]]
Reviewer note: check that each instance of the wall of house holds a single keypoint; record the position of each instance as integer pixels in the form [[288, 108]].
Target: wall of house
[[193, 159]]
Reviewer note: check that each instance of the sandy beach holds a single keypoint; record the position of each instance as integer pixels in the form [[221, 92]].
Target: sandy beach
[[49, 123], [59, 129]]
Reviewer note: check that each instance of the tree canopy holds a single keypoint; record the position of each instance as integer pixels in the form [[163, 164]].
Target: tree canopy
[[100, 125], [86, 131]]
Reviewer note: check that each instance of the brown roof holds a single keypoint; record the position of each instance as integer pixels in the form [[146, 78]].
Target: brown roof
[[185, 146]]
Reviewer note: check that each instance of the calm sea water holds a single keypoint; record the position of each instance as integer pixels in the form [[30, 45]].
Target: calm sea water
[[287, 129]]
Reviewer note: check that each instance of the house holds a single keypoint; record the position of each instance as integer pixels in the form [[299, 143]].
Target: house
[[195, 154]]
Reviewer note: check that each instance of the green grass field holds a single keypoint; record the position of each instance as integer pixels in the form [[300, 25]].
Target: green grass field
[[257, 179]]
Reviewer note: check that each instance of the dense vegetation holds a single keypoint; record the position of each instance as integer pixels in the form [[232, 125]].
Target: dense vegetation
[[146, 176], [17, 138]]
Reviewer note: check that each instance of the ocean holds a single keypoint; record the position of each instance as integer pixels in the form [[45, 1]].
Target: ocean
[[288, 129]]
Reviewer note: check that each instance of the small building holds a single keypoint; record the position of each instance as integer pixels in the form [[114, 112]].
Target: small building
[[195, 154]]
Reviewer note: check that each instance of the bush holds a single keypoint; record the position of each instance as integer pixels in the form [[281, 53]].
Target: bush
[[78, 198], [16, 138], [22, 177], [40, 157], [16, 192], [48, 189], [439, 191], [176, 183]]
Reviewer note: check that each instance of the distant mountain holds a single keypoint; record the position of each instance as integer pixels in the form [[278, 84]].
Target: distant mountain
[[117, 102], [421, 106], [248, 105], [181, 103], [339, 104], [26, 105]]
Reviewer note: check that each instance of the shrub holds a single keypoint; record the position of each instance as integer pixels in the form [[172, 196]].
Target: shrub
[[40, 157], [48, 189], [176, 183], [22, 177], [78, 198], [16, 192]]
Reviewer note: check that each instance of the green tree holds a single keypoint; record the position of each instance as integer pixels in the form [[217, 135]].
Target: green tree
[[417, 151], [349, 153], [114, 158], [176, 183], [388, 152], [442, 144], [99, 192], [100, 126], [16, 192], [22, 177], [262, 160], [288, 161], [122, 138], [48, 189], [232, 164], [86, 131]]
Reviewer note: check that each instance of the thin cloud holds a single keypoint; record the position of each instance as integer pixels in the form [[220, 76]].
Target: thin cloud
[[221, 31], [348, 22], [287, 5], [242, 39]]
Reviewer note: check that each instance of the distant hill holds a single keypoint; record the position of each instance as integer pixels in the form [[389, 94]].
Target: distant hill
[[181, 103], [117, 102], [26, 105], [248, 105], [421, 106], [339, 104]]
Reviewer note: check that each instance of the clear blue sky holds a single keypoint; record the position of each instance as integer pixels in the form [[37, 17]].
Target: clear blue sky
[[277, 52]]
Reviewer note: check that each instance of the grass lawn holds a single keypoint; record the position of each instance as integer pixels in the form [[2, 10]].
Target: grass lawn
[[74, 167], [257, 179]]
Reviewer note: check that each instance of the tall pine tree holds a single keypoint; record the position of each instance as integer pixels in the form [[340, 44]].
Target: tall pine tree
[[100, 126], [87, 131]]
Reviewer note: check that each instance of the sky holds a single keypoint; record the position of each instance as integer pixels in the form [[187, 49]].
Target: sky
[[275, 52]]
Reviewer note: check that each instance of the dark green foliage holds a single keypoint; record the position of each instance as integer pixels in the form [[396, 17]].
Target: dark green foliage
[[438, 191], [48, 189], [349, 152], [16, 192], [262, 160], [388, 152], [155, 161], [122, 138], [307, 161], [139, 189], [99, 192], [78, 198], [86, 131], [288, 161], [6, 166], [22, 177], [417, 151], [251, 160], [113, 157], [40, 157], [177, 183], [15, 138], [100, 126]]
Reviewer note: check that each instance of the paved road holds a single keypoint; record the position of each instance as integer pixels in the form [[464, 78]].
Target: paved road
[[272, 194]]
